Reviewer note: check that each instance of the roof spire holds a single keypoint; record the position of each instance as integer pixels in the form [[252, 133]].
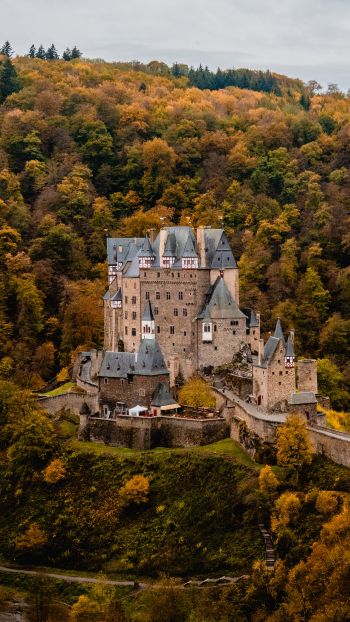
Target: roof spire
[[278, 330], [290, 346], [148, 313]]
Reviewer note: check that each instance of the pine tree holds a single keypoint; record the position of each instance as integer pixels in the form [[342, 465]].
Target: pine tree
[[8, 79], [67, 55], [41, 52], [76, 53], [6, 49], [51, 53], [32, 51]]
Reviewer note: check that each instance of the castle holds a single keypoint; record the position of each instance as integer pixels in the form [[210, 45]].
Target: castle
[[182, 288]]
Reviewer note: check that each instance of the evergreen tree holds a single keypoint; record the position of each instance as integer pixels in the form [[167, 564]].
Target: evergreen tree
[[8, 79], [32, 51], [41, 52], [6, 49], [76, 53], [67, 54], [51, 53]]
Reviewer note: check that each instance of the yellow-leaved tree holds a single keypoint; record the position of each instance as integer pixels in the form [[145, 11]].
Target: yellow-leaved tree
[[197, 394], [32, 539], [294, 448], [268, 482], [54, 471], [135, 490]]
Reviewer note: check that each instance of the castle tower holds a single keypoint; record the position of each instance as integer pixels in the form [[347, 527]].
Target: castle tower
[[307, 375], [289, 357], [148, 323]]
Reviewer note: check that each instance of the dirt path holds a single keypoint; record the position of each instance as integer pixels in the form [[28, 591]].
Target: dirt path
[[73, 578]]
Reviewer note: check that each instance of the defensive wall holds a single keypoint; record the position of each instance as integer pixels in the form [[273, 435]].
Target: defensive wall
[[148, 432], [254, 428], [69, 401]]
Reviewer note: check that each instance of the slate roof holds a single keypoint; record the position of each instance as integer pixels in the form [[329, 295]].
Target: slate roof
[[107, 295], [270, 348], [148, 313], [117, 364], [252, 320], [181, 242], [162, 396], [131, 268], [290, 347], [148, 361], [146, 249], [117, 297], [219, 303], [278, 331], [304, 397]]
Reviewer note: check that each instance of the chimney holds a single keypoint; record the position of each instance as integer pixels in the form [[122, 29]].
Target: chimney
[[260, 351], [152, 234], [201, 245], [163, 234]]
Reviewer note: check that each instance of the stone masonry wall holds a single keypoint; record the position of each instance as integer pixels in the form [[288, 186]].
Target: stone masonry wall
[[147, 432], [227, 338], [69, 401], [139, 391]]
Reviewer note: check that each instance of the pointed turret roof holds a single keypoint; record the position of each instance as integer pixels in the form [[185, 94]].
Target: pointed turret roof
[[278, 331], [148, 313], [290, 347], [146, 250], [117, 297], [189, 249], [162, 396], [150, 361], [220, 303], [170, 245]]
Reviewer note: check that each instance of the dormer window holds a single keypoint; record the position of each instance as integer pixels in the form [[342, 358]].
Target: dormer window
[[145, 262], [167, 262]]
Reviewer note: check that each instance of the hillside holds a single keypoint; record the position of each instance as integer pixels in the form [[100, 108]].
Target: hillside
[[88, 148]]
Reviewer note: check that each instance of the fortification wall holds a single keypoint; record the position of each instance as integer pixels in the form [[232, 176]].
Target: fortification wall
[[69, 401], [147, 432], [335, 445]]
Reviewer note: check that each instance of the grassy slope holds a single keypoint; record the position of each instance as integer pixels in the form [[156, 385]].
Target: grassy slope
[[195, 522]]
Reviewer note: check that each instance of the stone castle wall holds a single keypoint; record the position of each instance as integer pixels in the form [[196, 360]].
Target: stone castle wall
[[307, 375], [69, 401], [146, 432], [227, 338]]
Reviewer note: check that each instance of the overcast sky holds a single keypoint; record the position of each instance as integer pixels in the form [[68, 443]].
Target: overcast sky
[[308, 39]]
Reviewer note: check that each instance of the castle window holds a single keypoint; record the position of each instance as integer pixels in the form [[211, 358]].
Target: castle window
[[233, 332], [280, 383], [126, 300], [157, 295], [133, 300], [168, 295], [253, 332], [133, 332], [126, 330], [176, 312], [172, 330], [181, 295], [158, 274], [105, 380], [178, 274], [184, 312], [281, 372], [125, 315], [172, 274], [147, 295], [105, 410], [156, 310], [215, 328], [145, 273], [134, 315], [158, 329], [185, 333], [234, 323], [142, 392]]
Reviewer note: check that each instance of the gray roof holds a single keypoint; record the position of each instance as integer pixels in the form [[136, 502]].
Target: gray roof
[[162, 396], [180, 242], [305, 397], [117, 248], [117, 297], [278, 330], [252, 320], [270, 348], [219, 303], [290, 347], [148, 313], [146, 250], [107, 295], [117, 364], [84, 410], [150, 361], [131, 268]]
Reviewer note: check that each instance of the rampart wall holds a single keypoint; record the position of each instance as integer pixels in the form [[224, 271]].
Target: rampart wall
[[147, 432], [70, 401]]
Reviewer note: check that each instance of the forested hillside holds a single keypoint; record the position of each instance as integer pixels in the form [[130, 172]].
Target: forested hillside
[[89, 148]]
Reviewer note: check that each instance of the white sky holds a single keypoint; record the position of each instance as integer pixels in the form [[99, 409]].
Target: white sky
[[302, 38]]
